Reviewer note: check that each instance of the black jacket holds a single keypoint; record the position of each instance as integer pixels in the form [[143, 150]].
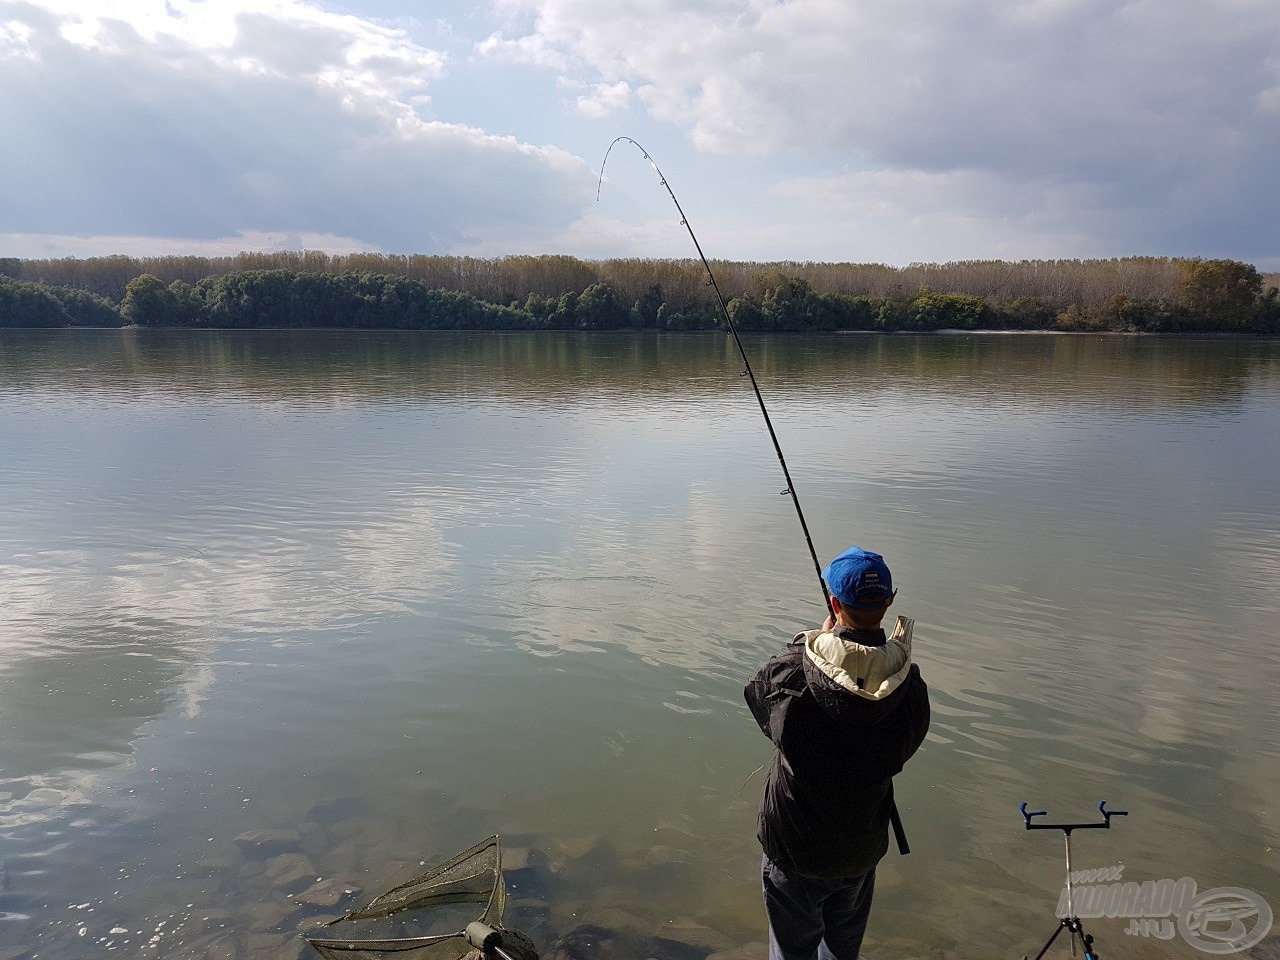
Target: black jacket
[[829, 791]]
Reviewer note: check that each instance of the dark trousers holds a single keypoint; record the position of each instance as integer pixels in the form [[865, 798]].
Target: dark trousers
[[815, 919]]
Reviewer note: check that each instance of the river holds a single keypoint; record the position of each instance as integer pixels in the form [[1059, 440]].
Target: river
[[364, 599]]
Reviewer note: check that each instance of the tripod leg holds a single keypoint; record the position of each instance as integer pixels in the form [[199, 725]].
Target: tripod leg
[[1049, 943]]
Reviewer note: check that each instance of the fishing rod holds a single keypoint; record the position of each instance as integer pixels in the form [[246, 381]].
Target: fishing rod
[[733, 329]]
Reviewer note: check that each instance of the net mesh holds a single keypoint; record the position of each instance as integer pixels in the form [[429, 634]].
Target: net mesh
[[473, 876]]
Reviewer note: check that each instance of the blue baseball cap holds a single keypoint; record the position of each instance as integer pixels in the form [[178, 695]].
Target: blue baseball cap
[[859, 578]]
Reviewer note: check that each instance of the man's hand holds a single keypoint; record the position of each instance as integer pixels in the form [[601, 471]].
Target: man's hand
[[828, 624]]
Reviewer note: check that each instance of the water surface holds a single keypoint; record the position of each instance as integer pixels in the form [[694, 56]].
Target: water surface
[[396, 592]]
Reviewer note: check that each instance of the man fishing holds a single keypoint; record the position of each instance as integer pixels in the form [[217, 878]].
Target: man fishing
[[846, 708]]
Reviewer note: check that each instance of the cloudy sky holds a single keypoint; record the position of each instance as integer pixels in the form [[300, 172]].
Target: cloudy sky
[[863, 130]]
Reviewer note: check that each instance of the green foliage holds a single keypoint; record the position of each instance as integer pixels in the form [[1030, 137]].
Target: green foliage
[[36, 305], [600, 308], [893, 312], [1147, 315], [149, 302], [365, 290], [1224, 294], [644, 312], [85, 309], [1028, 313], [946, 311], [791, 304], [746, 313], [186, 304], [678, 320], [282, 298], [853, 313], [29, 305], [1269, 311], [1075, 320]]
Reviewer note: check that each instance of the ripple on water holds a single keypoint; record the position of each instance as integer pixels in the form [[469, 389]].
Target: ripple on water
[[482, 592]]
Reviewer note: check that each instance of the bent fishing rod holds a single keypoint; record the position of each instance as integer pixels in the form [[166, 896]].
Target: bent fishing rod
[[733, 329]]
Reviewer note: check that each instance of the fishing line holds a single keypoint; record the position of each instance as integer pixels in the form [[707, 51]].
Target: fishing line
[[724, 310]]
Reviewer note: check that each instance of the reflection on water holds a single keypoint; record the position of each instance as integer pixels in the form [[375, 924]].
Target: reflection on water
[[288, 613], [353, 366]]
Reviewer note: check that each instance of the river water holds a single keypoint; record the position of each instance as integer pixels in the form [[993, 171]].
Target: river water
[[362, 599]]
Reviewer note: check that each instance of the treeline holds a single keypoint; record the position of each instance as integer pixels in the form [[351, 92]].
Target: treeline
[[1089, 285], [373, 291]]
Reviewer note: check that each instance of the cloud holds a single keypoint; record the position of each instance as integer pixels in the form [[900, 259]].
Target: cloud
[[857, 129], [212, 121], [605, 98], [532, 50], [38, 245], [920, 215], [1158, 116]]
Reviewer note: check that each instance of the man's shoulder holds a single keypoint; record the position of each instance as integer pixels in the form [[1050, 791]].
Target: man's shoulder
[[771, 692], [789, 659]]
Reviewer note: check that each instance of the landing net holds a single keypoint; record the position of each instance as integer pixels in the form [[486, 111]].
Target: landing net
[[473, 876]]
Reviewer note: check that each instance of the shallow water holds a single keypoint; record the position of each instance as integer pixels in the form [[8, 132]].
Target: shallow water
[[396, 592]]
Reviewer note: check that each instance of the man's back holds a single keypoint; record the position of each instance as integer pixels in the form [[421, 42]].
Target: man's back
[[829, 791], [846, 708]]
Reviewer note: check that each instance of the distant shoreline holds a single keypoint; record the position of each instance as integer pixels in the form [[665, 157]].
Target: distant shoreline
[[1134, 295], [790, 334]]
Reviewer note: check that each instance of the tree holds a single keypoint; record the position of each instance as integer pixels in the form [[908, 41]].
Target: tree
[[599, 308], [940, 311], [85, 309], [1223, 293], [644, 312], [148, 302], [29, 305], [746, 313]]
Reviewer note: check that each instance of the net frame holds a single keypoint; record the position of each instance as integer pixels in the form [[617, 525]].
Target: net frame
[[473, 876]]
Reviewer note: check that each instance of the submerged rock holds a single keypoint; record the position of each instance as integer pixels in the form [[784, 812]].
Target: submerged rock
[[661, 854], [331, 810], [265, 842], [585, 859], [214, 946], [594, 942], [214, 921], [696, 935], [576, 848], [1268, 949], [342, 860], [363, 829], [225, 949], [291, 872], [750, 951], [315, 840], [515, 858], [269, 947], [328, 893], [220, 860], [615, 918], [272, 914]]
